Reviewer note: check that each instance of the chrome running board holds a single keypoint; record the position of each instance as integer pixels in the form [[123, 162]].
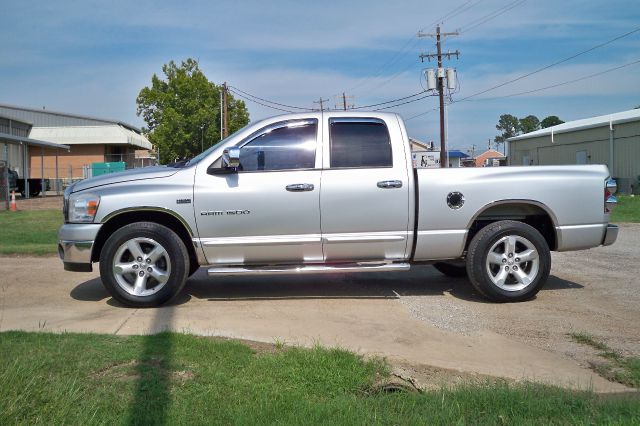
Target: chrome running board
[[308, 269]]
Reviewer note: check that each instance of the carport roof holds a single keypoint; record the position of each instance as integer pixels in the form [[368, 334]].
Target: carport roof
[[587, 123], [18, 140]]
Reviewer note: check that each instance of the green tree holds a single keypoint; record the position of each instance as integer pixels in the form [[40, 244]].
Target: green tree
[[509, 125], [551, 120], [182, 111], [529, 124]]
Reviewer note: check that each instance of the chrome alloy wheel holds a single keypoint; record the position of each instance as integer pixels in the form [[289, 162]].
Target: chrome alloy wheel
[[141, 266], [512, 263]]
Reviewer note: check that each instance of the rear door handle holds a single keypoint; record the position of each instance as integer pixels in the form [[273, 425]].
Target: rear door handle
[[385, 184], [300, 187]]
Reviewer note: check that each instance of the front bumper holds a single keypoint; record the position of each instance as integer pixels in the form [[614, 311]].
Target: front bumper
[[610, 235], [75, 245]]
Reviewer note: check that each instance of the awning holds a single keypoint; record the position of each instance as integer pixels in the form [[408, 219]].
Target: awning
[[19, 140]]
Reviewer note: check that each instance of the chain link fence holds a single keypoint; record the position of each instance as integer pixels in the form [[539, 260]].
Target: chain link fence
[[4, 185]]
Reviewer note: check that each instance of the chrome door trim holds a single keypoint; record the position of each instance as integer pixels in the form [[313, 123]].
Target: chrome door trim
[[307, 269], [362, 237], [260, 240]]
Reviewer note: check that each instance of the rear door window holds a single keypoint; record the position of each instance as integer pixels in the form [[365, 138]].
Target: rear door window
[[359, 143]]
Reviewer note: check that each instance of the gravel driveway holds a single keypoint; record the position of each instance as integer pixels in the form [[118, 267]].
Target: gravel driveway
[[594, 291]]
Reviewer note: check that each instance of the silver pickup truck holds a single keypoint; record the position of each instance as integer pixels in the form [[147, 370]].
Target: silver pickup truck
[[324, 193]]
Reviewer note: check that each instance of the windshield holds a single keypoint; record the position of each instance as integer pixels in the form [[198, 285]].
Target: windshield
[[206, 152]]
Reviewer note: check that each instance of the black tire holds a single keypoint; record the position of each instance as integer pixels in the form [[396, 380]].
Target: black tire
[[524, 279], [174, 260], [450, 269]]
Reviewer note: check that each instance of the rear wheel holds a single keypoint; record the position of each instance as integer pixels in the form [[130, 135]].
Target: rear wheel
[[144, 264], [508, 261]]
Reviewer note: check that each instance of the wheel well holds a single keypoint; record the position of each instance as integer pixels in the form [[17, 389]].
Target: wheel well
[[531, 214], [125, 218]]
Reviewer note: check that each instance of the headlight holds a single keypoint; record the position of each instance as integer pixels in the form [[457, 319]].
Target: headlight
[[83, 207]]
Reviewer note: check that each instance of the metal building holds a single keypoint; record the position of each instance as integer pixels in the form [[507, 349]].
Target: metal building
[[91, 140], [612, 139]]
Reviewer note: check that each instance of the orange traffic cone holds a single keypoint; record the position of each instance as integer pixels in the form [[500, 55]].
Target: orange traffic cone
[[12, 204]]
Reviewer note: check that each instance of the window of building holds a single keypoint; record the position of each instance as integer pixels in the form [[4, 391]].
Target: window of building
[[360, 143], [282, 146]]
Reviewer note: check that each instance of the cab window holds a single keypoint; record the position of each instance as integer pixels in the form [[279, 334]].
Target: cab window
[[281, 146]]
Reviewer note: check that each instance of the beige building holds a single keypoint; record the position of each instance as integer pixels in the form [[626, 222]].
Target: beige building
[[89, 140], [613, 140]]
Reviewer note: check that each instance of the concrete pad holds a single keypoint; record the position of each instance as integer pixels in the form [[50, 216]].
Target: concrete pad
[[360, 312]]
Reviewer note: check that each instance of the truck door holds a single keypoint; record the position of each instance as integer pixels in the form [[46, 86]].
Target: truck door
[[269, 211], [364, 197]]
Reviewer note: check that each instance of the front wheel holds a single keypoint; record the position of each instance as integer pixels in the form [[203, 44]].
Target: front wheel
[[508, 261], [144, 264]]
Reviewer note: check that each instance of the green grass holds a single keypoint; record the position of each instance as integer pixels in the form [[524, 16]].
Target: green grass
[[35, 232], [29, 232], [181, 379], [627, 210], [625, 370]]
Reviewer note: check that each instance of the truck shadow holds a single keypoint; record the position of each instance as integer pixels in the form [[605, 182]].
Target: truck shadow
[[420, 281]]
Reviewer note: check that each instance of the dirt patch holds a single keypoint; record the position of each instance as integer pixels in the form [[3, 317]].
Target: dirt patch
[[258, 348], [429, 378], [40, 203], [132, 370]]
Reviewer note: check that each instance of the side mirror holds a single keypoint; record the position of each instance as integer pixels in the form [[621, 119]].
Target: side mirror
[[231, 158]]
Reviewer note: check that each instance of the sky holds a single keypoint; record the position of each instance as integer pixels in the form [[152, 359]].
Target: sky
[[93, 57]]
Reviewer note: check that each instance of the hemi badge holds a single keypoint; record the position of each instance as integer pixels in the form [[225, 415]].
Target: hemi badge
[[184, 201]]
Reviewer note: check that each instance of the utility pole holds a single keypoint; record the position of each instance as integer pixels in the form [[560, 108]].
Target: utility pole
[[225, 111], [221, 116], [441, 77], [343, 102], [321, 102], [473, 151]]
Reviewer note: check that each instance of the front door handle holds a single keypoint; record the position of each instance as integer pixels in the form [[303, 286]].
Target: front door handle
[[300, 187], [385, 184]]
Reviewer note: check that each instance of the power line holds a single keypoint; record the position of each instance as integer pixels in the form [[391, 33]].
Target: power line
[[391, 101], [362, 80], [451, 14], [269, 104], [321, 103], [486, 18], [253, 98], [564, 83], [411, 42], [257, 102], [425, 113], [268, 101], [546, 67], [404, 103]]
